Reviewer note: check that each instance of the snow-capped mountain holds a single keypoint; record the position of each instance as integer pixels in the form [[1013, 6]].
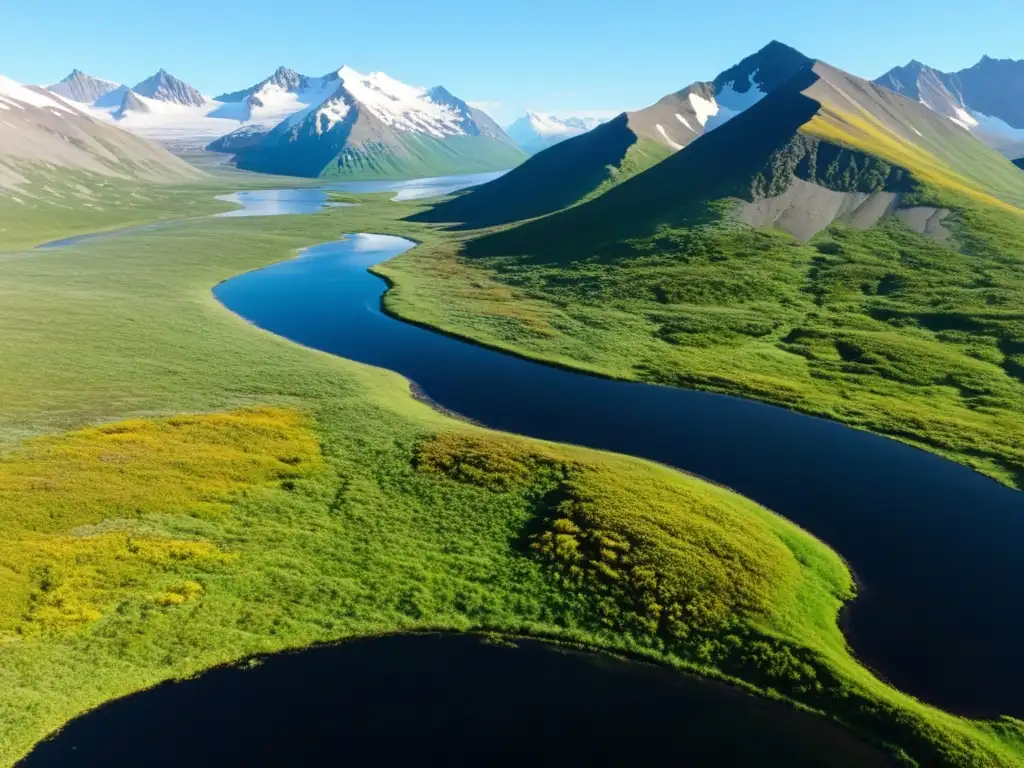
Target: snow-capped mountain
[[343, 123], [40, 129], [679, 118], [374, 125], [281, 95], [80, 87], [986, 99], [285, 94], [535, 131]]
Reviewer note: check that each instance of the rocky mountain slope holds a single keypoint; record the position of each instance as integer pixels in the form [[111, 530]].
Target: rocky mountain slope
[[986, 99], [80, 87], [43, 134], [826, 146], [375, 126], [535, 131], [165, 87], [593, 162]]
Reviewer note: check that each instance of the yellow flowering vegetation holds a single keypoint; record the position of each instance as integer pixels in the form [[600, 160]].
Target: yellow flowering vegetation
[[81, 511]]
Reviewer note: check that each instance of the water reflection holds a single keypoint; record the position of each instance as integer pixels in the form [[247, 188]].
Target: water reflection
[[417, 189]]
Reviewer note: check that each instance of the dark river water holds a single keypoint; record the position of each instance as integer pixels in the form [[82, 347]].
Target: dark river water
[[449, 700], [937, 548]]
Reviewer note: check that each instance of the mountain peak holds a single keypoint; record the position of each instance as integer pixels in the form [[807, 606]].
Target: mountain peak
[[163, 86], [84, 88], [745, 83]]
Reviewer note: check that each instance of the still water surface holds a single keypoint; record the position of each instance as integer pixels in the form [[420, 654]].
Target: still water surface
[[449, 700]]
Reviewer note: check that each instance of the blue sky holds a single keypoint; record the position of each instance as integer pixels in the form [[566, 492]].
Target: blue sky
[[561, 56]]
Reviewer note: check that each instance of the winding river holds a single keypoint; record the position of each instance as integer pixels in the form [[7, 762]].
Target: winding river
[[936, 547]]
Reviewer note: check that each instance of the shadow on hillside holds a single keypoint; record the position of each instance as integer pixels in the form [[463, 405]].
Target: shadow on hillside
[[549, 181], [724, 163]]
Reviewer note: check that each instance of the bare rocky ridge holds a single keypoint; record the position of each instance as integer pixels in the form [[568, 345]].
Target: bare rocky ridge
[[986, 99], [78, 86], [165, 87]]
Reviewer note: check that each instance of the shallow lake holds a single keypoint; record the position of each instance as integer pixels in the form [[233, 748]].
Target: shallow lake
[[439, 699], [936, 547]]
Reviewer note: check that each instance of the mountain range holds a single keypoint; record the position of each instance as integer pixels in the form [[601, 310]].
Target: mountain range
[[349, 124], [590, 163], [343, 124], [986, 99], [41, 132], [795, 143], [535, 131]]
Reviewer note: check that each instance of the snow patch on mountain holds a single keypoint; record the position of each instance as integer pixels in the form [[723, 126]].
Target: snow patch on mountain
[[703, 109], [12, 92], [732, 102], [996, 127], [331, 113], [683, 120], [668, 139], [962, 118]]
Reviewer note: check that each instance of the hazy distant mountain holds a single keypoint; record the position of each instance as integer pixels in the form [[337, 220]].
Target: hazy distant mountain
[[535, 131], [78, 86], [373, 125], [165, 87], [592, 162], [40, 128], [986, 99], [283, 80], [131, 102]]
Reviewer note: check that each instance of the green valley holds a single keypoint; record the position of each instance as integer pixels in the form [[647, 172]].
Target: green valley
[[293, 497], [187, 482]]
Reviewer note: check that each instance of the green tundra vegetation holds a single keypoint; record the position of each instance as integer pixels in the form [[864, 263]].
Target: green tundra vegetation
[[180, 489], [916, 336], [884, 329]]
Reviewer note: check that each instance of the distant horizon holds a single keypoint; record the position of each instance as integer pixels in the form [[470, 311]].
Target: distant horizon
[[565, 59]]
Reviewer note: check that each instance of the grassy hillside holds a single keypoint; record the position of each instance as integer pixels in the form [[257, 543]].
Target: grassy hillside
[[307, 498], [904, 132], [73, 203], [884, 329], [344, 153], [55, 203], [556, 178], [424, 156]]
